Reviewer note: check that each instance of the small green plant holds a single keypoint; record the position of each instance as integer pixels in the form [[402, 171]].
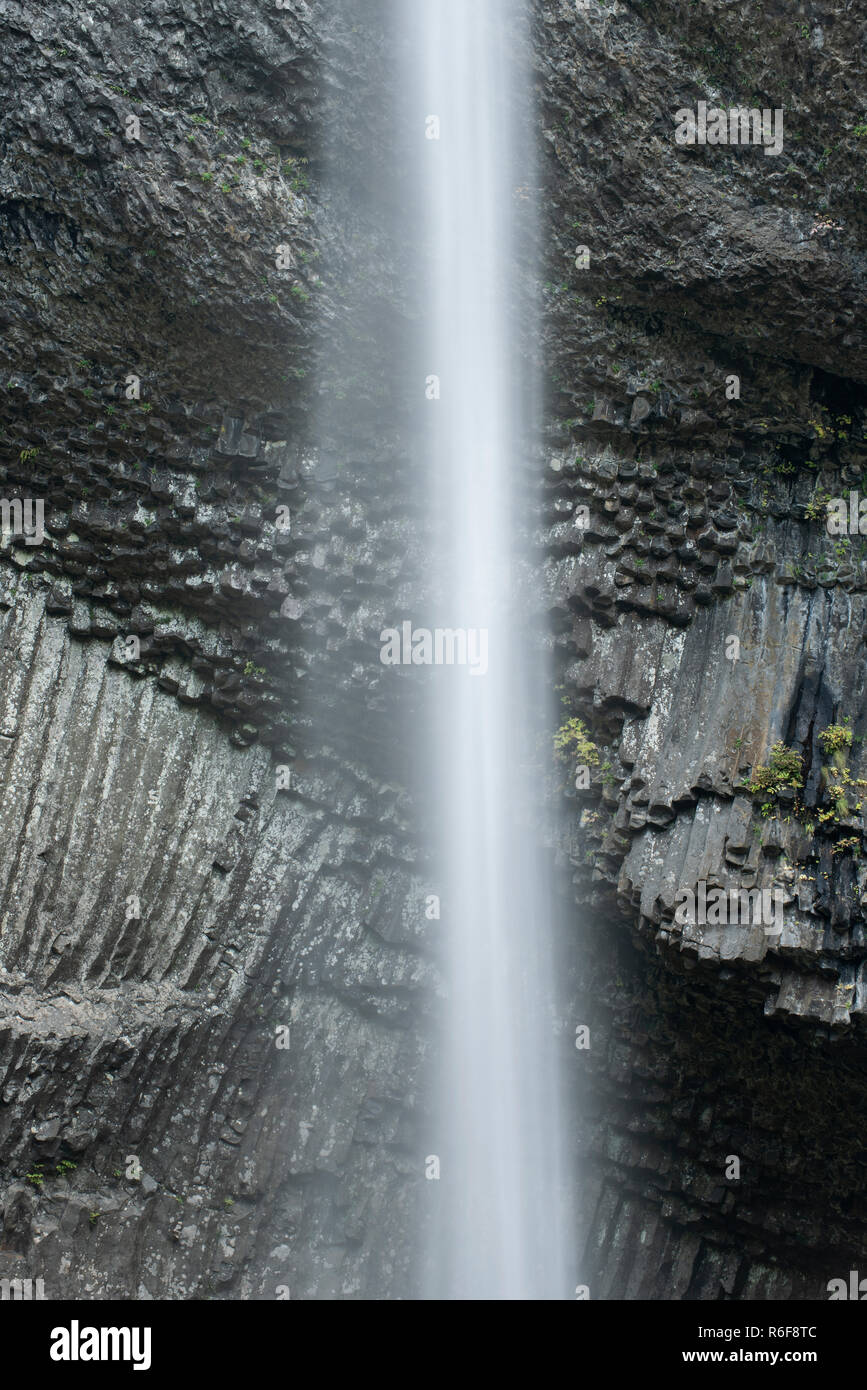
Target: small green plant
[[851, 842], [251, 669], [836, 741], [66, 1166], [836, 737], [27, 454], [817, 507], [572, 741], [36, 1178], [94, 1217], [785, 769]]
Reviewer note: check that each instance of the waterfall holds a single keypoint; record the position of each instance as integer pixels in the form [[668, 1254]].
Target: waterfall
[[501, 1228]]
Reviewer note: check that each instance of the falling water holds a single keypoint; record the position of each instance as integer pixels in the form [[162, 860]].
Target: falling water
[[502, 1227]]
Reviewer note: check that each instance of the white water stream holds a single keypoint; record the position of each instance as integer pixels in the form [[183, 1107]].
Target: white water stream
[[502, 1230]]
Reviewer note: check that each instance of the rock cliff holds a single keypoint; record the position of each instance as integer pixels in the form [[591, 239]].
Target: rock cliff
[[210, 833]]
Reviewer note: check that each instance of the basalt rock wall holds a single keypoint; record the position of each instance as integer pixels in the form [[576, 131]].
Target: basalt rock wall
[[211, 940], [707, 374], [218, 983]]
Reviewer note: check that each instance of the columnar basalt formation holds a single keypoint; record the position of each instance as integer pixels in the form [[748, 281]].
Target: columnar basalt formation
[[205, 607], [708, 372], [188, 870]]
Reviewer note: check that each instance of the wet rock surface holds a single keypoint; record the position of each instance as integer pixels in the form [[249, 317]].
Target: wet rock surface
[[192, 863], [213, 948], [708, 374]]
